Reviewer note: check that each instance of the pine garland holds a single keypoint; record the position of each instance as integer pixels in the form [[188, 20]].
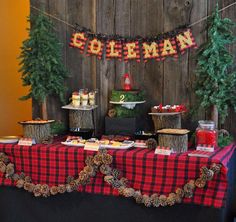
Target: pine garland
[[215, 81], [101, 162]]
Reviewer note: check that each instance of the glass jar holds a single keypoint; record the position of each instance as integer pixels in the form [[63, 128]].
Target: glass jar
[[206, 134]]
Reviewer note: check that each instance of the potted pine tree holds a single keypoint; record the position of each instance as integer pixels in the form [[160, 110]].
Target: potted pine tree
[[43, 71]]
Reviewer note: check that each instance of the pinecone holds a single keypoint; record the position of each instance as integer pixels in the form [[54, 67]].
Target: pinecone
[[128, 192], [151, 143], [4, 158], [109, 179], [28, 179], [97, 159], [15, 177], [20, 183], [116, 184], [107, 159], [61, 188], [54, 190], [29, 187], [83, 177], [89, 161], [188, 190], [105, 169], [138, 197], [179, 195], [171, 199], [147, 201], [200, 182], [191, 184], [215, 168], [68, 188], [111, 113], [73, 185], [102, 151], [2, 167], [89, 170], [115, 173], [10, 169], [45, 190], [121, 190], [123, 181], [155, 200], [163, 200], [37, 190], [69, 179], [22, 176]]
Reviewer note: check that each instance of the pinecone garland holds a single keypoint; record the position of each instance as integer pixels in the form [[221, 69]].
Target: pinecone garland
[[29, 187], [215, 168], [151, 143], [138, 197], [200, 182], [89, 161], [107, 159], [28, 179], [4, 158], [97, 159], [68, 188], [171, 199], [45, 190], [22, 176], [105, 169], [115, 173], [69, 179], [37, 190], [188, 190], [109, 179], [15, 177], [124, 181]]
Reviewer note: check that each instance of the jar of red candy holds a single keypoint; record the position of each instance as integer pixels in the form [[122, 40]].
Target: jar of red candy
[[206, 134]]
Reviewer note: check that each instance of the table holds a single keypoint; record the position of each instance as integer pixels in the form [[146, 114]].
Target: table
[[92, 205]]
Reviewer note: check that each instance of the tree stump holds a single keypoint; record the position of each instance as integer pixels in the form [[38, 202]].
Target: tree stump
[[176, 139], [82, 119], [39, 132], [164, 121]]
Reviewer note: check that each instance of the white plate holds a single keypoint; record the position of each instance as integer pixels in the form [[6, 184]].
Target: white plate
[[73, 144], [9, 140], [123, 147], [161, 114]]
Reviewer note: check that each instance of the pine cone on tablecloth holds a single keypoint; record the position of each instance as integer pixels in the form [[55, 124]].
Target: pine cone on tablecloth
[[179, 195], [116, 184], [2, 167], [89, 161], [216, 168], [192, 184], [37, 190], [188, 190], [107, 159], [128, 192], [15, 177], [147, 201], [115, 173], [29, 187], [163, 200], [54, 190], [138, 197], [69, 179], [105, 169], [208, 173], [83, 177], [123, 181], [20, 183], [102, 151], [10, 169], [90, 171], [4, 158], [28, 179], [68, 188], [151, 143], [109, 179], [61, 188], [97, 159], [73, 185], [155, 200], [201, 182], [121, 190], [171, 199], [22, 176], [45, 190]]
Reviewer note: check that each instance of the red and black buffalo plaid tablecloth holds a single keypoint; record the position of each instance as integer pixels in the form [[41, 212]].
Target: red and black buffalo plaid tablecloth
[[150, 173]]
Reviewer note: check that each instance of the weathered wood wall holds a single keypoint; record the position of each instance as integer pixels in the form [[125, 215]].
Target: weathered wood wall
[[168, 82]]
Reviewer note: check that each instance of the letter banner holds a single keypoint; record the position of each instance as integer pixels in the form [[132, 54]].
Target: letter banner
[[159, 47]]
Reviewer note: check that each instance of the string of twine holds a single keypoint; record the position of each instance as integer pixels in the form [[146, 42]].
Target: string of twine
[[72, 26]]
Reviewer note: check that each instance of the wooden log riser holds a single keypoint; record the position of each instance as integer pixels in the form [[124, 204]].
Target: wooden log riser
[[81, 119], [179, 143], [166, 121], [38, 132]]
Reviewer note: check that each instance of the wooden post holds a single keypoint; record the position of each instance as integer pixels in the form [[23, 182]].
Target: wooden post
[[214, 115], [44, 109]]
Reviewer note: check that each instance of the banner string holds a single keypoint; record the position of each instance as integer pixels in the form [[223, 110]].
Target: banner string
[[73, 26]]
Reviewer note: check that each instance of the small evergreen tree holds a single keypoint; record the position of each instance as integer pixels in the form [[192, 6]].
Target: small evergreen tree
[[41, 63], [215, 84]]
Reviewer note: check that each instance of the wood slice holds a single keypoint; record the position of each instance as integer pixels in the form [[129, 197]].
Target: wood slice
[[167, 121], [39, 132], [179, 143], [81, 119]]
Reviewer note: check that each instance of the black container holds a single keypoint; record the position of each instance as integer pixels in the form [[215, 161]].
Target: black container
[[84, 133]]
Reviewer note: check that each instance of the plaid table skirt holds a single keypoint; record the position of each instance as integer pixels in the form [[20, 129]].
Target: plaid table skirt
[[146, 171]]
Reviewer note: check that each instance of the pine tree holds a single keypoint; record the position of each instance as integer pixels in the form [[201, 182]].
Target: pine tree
[[216, 84], [41, 63]]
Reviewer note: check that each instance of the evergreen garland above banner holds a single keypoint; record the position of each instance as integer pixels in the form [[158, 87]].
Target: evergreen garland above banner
[[170, 44]]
